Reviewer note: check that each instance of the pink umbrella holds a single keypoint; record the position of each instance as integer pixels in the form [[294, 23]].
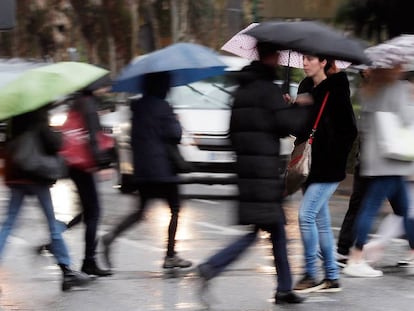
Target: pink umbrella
[[245, 46]]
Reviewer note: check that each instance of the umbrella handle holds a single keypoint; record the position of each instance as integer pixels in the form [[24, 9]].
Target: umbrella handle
[[286, 83]]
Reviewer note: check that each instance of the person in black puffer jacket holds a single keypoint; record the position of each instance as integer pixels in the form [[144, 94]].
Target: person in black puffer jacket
[[260, 117]]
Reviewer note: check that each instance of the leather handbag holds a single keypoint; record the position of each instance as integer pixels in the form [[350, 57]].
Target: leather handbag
[[299, 165], [396, 140], [28, 154], [77, 150]]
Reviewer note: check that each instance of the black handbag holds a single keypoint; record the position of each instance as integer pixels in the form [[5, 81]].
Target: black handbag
[[180, 165], [28, 154]]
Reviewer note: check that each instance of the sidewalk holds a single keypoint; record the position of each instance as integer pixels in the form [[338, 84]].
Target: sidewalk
[[31, 282]]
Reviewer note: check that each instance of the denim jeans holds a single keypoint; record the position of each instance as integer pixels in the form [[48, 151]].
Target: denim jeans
[[42, 192], [315, 227], [393, 188], [219, 261]]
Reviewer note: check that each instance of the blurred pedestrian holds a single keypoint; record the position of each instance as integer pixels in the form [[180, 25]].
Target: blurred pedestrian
[[87, 105], [332, 143], [384, 91], [346, 236], [391, 227], [154, 129], [22, 184], [260, 117]]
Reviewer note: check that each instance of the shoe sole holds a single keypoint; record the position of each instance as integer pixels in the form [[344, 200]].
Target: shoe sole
[[355, 275], [310, 289], [329, 290]]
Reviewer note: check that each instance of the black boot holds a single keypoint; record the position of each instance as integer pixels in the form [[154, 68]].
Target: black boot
[[288, 297], [90, 267], [106, 244], [72, 278]]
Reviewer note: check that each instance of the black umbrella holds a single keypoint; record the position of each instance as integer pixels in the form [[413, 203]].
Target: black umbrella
[[311, 37]]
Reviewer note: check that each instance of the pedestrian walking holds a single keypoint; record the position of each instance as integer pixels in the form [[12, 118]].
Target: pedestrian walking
[[384, 92], [391, 227], [260, 117], [332, 143], [87, 104], [22, 184], [155, 132]]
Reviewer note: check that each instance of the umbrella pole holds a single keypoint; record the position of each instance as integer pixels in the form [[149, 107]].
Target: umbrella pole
[[286, 83]]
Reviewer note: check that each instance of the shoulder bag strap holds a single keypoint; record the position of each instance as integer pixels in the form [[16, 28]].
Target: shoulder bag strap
[[315, 126]]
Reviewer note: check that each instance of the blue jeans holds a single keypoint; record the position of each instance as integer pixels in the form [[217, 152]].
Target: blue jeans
[[315, 227], [218, 262], [393, 188], [42, 192]]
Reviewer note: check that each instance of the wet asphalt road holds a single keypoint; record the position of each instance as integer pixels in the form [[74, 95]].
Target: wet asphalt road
[[32, 282]]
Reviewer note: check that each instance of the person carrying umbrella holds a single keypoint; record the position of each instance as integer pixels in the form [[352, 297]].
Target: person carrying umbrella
[[383, 92], [154, 128], [260, 116]]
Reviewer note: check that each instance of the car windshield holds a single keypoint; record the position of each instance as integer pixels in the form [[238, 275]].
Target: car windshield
[[210, 94], [201, 95]]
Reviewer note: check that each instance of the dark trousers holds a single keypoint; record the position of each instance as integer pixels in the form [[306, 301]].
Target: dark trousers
[[218, 262], [148, 191], [347, 233], [86, 186]]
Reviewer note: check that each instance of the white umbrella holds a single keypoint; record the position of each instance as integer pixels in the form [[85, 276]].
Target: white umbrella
[[398, 50]]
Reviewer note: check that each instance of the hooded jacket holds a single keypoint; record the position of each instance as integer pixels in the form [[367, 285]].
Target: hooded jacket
[[260, 117], [154, 124], [336, 131]]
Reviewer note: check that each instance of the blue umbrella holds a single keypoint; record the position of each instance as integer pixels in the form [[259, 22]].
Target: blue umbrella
[[186, 62]]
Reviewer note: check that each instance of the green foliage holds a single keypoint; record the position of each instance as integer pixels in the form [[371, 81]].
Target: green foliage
[[377, 20]]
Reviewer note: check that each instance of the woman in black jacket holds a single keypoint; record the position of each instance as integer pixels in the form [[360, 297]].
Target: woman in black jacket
[[23, 183], [332, 143]]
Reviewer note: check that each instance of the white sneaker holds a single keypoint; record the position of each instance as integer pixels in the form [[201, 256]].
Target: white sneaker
[[362, 270]]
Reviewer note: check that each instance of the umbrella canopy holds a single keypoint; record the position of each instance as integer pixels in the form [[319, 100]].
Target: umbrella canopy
[[310, 37], [398, 50], [186, 62], [244, 46], [38, 87]]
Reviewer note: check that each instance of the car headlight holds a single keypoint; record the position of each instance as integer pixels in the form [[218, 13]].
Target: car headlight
[[58, 119]]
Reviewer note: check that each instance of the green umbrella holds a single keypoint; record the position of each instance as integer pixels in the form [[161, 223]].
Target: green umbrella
[[40, 86]]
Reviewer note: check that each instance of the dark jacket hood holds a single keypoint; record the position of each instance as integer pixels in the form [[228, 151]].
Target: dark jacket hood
[[256, 70]]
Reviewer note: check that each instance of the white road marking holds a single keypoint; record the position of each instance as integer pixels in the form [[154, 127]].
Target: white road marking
[[221, 229]]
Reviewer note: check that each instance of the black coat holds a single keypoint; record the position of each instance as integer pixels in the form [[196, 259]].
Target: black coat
[[153, 126], [336, 130], [260, 117], [51, 143]]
